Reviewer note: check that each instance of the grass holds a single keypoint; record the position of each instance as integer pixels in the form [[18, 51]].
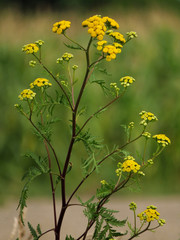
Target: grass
[[152, 59]]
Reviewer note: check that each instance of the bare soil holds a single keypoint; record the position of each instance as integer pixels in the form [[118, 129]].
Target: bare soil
[[40, 211]]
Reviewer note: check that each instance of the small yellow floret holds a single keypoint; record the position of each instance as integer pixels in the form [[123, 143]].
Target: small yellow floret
[[40, 82], [61, 26], [30, 48], [27, 94], [162, 139]]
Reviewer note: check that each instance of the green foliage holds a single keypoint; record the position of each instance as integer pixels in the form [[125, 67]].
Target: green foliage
[[72, 47], [36, 233], [104, 191], [90, 142], [69, 238], [105, 223], [33, 172]]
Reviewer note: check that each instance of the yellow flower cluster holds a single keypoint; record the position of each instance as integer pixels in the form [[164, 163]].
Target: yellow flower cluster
[[39, 42], [101, 44], [117, 36], [132, 206], [147, 117], [60, 27], [146, 135], [103, 182], [111, 52], [162, 139], [30, 48], [27, 94], [131, 125], [127, 81], [67, 56], [114, 85], [96, 26], [127, 166], [131, 35], [130, 165], [40, 82], [110, 22], [150, 214]]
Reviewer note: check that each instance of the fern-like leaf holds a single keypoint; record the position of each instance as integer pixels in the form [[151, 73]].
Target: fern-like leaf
[[33, 231]]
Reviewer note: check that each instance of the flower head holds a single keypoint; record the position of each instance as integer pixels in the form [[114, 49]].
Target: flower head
[[118, 37], [30, 48], [67, 56], [147, 117], [162, 139], [147, 135], [127, 81], [60, 27], [130, 165], [131, 35], [103, 182], [131, 125], [150, 214], [161, 222], [39, 42], [132, 206], [40, 82], [115, 87], [110, 23], [27, 94], [96, 27], [110, 51], [101, 44], [32, 63]]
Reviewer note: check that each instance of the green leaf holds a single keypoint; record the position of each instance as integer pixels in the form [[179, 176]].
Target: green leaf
[[39, 229], [69, 238], [22, 201], [72, 47], [33, 231], [104, 71], [42, 163]]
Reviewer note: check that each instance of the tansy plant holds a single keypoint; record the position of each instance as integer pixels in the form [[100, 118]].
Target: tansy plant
[[37, 104]]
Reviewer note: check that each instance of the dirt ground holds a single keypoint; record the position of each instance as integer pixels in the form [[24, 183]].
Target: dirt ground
[[40, 211]]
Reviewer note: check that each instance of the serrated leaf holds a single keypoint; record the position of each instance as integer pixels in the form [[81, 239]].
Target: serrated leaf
[[69, 237], [72, 47], [39, 229], [41, 162], [33, 231]]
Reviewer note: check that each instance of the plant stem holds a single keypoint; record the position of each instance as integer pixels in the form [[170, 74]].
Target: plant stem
[[107, 156], [101, 203], [74, 112], [44, 137], [138, 233], [82, 48], [60, 85], [101, 109]]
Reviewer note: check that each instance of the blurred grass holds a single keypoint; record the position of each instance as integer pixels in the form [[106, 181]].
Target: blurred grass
[[152, 59]]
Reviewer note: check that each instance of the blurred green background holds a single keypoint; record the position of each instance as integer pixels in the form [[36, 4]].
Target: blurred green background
[[153, 59]]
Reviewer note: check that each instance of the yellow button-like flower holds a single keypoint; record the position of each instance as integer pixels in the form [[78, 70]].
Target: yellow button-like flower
[[150, 214], [127, 81], [27, 94], [147, 117], [30, 48], [130, 165], [67, 56], [40, 82], [96, 27], [110, 22], [111, 52], [162, 139], [61, 26], [117, 37]]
